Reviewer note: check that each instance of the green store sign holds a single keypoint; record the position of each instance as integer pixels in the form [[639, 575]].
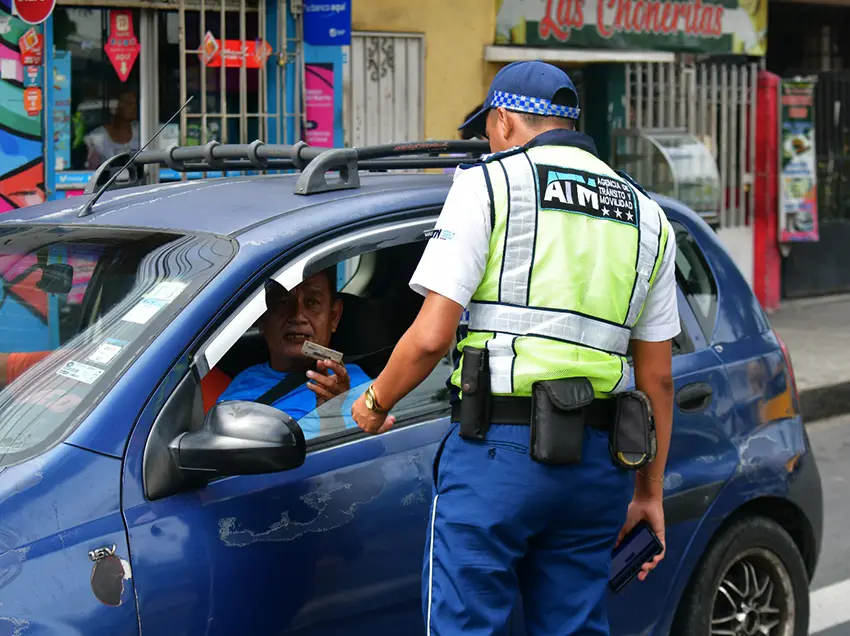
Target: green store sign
[[721, 27]]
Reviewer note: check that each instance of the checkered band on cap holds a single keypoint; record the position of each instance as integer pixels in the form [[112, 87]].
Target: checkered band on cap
[[534, 105]]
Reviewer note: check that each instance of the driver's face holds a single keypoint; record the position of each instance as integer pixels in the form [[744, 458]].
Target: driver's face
[[305, 313]]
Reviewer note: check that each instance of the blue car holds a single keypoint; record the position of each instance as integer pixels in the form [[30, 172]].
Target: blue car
[[132, 503]]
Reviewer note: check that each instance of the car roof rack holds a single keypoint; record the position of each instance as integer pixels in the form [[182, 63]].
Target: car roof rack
[[313, 163]]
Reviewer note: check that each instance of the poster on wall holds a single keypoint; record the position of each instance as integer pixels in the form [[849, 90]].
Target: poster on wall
[[697, 26], [22, 157], [798, 205], [122, 47], [319, 89], [62, 109], [236, 53]]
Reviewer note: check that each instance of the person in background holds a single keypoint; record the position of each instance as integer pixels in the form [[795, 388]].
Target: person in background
[[120, 134], [13, 364], [467, 132]]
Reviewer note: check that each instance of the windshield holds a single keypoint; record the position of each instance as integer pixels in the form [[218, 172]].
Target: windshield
[[77, 306]]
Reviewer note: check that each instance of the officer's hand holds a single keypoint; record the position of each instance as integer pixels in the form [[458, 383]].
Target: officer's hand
[[651, 510], [370, 421]]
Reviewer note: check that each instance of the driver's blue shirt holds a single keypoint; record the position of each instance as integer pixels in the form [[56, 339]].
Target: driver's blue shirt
[[257, 380]]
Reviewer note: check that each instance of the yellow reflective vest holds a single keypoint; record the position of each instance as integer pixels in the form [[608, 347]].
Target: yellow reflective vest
[[574, 249]]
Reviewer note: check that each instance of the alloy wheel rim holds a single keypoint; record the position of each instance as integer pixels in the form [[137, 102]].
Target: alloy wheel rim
[[754, 597]]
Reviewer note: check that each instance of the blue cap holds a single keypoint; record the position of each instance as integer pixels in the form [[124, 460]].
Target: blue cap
[[526, 87]]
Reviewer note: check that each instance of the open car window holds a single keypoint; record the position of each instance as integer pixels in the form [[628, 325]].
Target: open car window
[[428, 400], [77, 307], [372, 282]]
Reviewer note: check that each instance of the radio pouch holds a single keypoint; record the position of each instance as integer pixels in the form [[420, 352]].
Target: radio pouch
[[633, 442], [558, 419], [475, 394]]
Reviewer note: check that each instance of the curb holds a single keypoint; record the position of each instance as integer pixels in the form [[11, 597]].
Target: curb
[[825, 401]]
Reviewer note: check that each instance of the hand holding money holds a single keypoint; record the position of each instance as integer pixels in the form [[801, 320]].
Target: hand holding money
[[331, 378], [318, 352]]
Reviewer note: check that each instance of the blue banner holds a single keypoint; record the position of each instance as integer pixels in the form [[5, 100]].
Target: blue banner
[[327, 23], [62, 109]]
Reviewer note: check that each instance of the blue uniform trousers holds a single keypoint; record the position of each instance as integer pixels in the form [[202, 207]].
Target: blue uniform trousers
[[502, 524]]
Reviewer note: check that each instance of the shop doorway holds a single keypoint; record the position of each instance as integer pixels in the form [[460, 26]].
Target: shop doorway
[[384, 97], [813, 43], [221, 53], [96, 113]]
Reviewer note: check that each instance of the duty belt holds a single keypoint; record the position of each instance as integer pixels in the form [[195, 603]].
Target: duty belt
[[599, 414]]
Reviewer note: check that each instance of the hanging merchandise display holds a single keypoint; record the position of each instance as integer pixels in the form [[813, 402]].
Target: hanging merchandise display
[[32, 101], [122, 47], [31, 45]]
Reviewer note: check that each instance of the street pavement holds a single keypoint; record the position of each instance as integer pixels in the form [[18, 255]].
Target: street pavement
[[830, 589], [817, 334]]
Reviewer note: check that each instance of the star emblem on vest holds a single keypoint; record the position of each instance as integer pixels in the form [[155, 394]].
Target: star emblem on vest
[[580, 192]]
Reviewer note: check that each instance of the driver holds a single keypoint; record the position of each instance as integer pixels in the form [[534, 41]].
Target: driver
[[310, 312]]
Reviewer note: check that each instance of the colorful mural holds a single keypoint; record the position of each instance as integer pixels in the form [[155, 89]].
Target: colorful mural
[[21, 156]]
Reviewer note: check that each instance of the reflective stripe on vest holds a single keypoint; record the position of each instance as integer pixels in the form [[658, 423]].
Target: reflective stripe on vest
[[563, 326], [547, 307]]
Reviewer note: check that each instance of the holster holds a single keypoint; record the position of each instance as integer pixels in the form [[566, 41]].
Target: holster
[[633, 442], [558, 419], [475, 388]]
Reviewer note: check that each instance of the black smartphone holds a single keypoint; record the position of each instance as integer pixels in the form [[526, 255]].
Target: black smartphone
[[638, 547]]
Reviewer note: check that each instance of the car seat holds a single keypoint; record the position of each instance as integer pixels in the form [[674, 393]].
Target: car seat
[[368, 331]]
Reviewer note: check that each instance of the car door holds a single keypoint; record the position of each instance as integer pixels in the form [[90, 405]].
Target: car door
[[334, 546], [701, 457]]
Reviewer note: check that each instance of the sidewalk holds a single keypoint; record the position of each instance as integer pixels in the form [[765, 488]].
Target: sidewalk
[[817, 334]]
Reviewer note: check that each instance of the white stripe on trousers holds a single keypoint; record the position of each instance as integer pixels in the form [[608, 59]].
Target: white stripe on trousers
[[431, 565]]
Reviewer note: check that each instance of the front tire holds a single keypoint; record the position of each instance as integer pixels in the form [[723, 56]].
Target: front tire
[[752, 581]]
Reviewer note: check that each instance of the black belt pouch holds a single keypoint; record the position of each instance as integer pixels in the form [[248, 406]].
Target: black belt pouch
[[475, 387], [558, 419], [633, 442]]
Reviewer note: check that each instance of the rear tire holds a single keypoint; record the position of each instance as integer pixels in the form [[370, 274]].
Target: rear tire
[[752, 577]]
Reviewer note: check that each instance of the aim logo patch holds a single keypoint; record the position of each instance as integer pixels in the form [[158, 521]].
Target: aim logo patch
[[585, 193]]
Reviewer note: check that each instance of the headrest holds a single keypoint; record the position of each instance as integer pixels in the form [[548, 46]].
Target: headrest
[[367, 325]]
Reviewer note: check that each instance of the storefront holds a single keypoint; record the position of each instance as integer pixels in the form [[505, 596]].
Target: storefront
[[813, 63], [668, 91], [121, 70], [415, 68]]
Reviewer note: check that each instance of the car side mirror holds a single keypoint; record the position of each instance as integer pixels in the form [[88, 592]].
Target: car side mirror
[[241, 438], [56, 278]]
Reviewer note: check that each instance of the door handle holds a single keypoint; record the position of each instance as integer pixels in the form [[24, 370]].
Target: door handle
[[694, 397]]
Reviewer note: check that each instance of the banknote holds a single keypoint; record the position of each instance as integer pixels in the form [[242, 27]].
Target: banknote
[[318, 352]]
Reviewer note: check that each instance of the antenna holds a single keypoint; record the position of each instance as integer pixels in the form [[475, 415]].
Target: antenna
[[88, 208]]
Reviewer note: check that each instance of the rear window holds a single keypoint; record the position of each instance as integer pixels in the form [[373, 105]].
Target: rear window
[[77, 306]]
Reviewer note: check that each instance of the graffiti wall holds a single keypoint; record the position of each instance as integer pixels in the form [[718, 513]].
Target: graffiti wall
[[21, 158]]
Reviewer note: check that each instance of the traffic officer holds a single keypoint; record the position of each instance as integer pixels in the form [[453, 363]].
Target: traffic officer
[[563, 264]]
